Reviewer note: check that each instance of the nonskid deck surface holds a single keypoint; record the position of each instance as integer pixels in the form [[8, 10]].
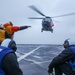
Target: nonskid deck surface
[[34, 59]]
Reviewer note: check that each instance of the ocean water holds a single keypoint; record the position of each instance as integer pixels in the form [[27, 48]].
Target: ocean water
[[35, 58]]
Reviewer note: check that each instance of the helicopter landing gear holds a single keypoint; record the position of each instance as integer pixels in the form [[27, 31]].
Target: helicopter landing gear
[[42, 30], [47, 29], [51, 30]]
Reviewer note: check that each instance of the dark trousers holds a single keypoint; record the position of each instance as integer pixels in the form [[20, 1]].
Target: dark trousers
[[0, 43], [64, 69]]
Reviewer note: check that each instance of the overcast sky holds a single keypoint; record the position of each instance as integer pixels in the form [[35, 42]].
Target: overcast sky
[[18, 12]]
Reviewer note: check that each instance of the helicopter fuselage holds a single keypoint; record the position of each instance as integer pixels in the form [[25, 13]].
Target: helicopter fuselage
[[47, 24]]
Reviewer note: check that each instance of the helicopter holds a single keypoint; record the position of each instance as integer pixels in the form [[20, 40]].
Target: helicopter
[[47, 22]]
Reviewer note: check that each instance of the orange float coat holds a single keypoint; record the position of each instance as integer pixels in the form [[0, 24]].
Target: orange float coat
[[10, 29]]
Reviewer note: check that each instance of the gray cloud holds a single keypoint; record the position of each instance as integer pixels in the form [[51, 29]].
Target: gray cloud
[[18, 12]]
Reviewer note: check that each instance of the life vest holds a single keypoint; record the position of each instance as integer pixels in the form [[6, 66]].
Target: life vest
[[3, 52], [11, 29], [2, 35], [72, 62], [8, 29]]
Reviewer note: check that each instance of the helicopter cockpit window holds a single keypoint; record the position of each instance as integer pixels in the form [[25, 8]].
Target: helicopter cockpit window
[[47, 19]]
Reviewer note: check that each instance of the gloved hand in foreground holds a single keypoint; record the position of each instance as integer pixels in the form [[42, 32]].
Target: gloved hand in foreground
[[50, 71]]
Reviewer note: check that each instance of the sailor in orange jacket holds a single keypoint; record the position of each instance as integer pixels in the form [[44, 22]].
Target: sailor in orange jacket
[[10, 29]]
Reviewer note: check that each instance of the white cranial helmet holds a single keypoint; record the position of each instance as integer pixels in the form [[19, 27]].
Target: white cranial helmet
[[9, 43], [69, 42]]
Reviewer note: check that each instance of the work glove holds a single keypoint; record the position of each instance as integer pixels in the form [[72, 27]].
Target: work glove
[[24, 27], [50, 71], [28, 26]]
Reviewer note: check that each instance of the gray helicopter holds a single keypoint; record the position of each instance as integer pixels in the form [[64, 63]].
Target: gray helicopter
[[47, 22]]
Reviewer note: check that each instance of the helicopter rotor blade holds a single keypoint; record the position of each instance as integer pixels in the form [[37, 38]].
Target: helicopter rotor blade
[[56, 21], [69, 14], [35, 9], [34, 18]]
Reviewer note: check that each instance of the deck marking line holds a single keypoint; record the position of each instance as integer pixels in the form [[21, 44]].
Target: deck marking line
[[25, 55]]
